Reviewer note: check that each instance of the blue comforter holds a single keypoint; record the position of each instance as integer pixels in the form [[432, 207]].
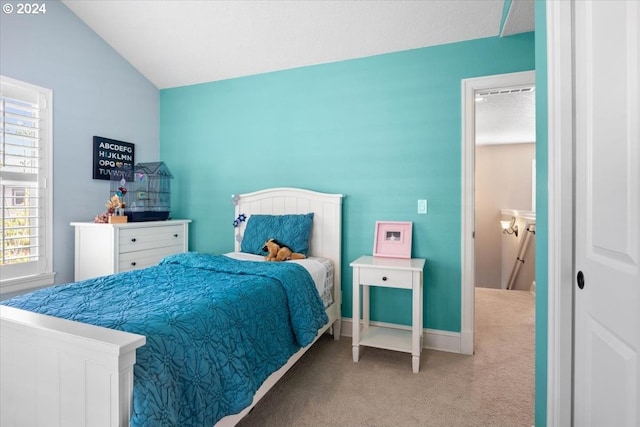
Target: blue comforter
[[216, 328]]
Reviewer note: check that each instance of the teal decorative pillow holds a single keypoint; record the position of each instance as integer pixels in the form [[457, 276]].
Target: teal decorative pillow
[[292, 230]]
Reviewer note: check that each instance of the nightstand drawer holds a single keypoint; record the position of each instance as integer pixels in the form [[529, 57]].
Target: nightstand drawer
[[386, 277], [137, 239]]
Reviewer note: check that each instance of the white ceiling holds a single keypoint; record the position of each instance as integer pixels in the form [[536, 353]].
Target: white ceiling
[[506, 116], [182, 42]]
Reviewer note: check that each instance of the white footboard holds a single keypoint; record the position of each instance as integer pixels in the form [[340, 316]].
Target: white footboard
[[57, 372]]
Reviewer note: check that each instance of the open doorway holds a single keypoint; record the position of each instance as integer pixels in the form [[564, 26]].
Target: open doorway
[[471, 87], [498, 225], [505, 151]]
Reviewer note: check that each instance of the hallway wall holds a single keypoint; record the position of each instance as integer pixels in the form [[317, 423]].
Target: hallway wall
[[503, 181]]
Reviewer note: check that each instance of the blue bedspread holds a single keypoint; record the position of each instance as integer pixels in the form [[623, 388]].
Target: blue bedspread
[[216, 328]]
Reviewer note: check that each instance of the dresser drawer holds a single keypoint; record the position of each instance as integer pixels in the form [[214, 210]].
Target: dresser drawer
[[386, 277], [141, 259], [138, 239]]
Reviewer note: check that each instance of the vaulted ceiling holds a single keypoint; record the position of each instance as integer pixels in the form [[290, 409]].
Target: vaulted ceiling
[[183, 42]]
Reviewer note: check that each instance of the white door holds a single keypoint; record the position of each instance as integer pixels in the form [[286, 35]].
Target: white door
[[607, 117]]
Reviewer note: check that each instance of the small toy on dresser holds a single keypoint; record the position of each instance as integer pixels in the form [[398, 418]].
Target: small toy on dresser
[[115, 211], [279, 252]]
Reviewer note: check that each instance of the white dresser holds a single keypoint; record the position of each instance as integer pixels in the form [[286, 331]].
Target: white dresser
[[102, 249]]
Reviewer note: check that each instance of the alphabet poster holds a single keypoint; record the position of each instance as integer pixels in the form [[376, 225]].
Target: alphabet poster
[[111, 157]]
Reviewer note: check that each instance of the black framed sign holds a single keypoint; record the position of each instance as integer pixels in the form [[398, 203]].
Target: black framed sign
[[111, 157]]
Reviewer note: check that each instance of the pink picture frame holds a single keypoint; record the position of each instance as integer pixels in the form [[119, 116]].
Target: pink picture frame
[[392, 239]]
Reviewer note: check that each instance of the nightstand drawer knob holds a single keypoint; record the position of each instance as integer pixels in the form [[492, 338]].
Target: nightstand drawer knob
[[384, 278], [133, 240], [175, 235], [133, 263]]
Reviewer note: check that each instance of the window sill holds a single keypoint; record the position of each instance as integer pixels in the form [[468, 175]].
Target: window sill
[[19, 285]]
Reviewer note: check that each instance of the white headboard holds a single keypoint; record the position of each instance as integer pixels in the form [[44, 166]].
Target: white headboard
[[326, 235]]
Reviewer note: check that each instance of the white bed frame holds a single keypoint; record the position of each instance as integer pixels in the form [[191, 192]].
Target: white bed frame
[[56, 372]]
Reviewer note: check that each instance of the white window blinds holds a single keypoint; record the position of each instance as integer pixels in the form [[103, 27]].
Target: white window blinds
[[25, 145]]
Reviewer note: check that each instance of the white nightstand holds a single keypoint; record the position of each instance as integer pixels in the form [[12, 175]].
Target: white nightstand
[[391, 273]]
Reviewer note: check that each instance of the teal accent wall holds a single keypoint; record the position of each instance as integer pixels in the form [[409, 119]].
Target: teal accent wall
[[542, 228], [383, 130]]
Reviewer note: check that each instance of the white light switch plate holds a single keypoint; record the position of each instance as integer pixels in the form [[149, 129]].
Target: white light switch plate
[[422, 206]]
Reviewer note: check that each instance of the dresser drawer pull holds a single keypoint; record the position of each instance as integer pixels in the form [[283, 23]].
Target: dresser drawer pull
[[175, 235], [133, 240], [384, 278], [133, 263]]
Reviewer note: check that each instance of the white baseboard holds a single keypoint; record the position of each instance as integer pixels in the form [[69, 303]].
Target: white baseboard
[[433, 339]]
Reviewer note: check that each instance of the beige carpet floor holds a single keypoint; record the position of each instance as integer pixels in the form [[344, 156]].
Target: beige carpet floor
[[492, 388]]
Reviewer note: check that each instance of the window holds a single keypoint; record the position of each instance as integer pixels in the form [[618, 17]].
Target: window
[[25, 177]]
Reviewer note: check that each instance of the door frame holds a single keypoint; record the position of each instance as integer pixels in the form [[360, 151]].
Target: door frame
[[469, 87], [560, 229]]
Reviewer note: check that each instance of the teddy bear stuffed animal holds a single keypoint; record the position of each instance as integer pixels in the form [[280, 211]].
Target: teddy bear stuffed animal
[[279, 252]]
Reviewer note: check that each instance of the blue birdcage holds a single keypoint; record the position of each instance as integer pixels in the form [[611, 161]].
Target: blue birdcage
[[147, 193]]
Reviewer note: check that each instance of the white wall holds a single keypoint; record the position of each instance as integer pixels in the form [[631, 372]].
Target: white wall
[[503, 181], [95, 92]]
